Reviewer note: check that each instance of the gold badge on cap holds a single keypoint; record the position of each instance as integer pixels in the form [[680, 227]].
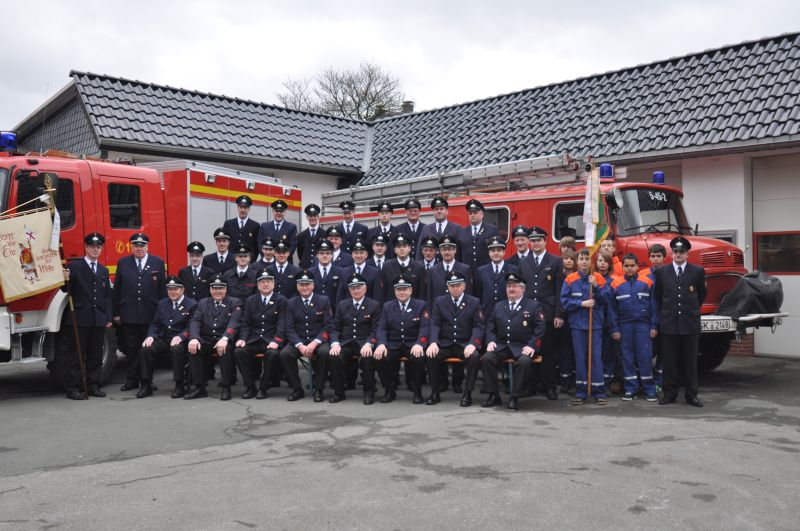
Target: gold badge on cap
[[549, 278], [524, 323], [691, 288]]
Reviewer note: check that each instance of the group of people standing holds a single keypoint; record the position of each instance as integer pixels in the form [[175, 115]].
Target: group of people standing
[[437, 297]]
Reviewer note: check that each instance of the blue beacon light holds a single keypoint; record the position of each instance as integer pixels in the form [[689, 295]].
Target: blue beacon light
[[658, 177], [8, 141]]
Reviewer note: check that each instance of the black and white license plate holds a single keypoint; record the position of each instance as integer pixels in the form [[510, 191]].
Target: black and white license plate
[[716, 324]]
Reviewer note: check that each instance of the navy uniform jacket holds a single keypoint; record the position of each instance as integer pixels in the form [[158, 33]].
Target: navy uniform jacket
[[329, 288], [307, 246], [421, 263], [266, 323], [430, 230], [543, 283], [680, 301], [288, 234], [412, 271], [512, 331], [374, 231], [355, 326], [260, 264], [461, 326], [170, 322], [436, 282], [344, 259], [209, 324], [286, 283], [491, 288], [211, 261], [241, 287], [248, 236], [358, 231], [91, 293], [373, 277], [196, 289], [515, 259], [136, 295], [398, 329], [474, 252], [307, 323], [405, 228]]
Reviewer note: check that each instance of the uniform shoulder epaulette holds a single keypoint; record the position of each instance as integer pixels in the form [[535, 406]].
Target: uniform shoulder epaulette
[[645, 277]]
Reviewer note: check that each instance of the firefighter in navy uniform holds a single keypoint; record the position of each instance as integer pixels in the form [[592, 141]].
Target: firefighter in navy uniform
[[308, 239], [402, 331], [285, 273], [308, 325], [222, 259], [266, 258], [363, 267], [326, 275], [522, 242], [139, 284], [242, 229], [263, 333], [353, 336], [412, 227], [168, 334], [514, 331], [350, 229], [385, 227], [91, 297], [402, 265], [341, 258], [279, 229], [195, 276], [472, 238], [212, 332], [543, 273], [241, 279], [490, 279], [457, 330], [441, 226], [680, 289], [427, 256]]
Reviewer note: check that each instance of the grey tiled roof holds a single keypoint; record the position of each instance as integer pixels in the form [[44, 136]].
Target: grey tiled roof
[[747, 94], [123, 110]]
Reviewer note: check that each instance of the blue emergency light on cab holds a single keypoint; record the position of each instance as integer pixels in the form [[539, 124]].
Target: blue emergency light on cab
[[606, 173], [658, 177], [8, 141]]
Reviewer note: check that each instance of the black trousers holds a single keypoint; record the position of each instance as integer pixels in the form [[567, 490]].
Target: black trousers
[[389, 369], [437, 366], [346, 364], [679, 352], [490, 365], [205, 356], [131, 337], [547, 372], [161, 347], [319, 362], [91, 340], [253, 368]]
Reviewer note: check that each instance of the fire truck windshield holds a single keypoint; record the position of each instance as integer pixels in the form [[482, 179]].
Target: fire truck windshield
[[640, 210]]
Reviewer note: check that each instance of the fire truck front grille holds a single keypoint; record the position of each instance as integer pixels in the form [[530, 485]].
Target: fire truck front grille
[[738, 258], [714, 258]]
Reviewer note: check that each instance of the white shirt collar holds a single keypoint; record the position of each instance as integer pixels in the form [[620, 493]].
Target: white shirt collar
[[336, 253], [500, 265], [240, 270], [539, 256], [523, 255], [90, 262], [180, 301], [458, 300], [359, 302], [675, 266], [404, 264], [268, 297]]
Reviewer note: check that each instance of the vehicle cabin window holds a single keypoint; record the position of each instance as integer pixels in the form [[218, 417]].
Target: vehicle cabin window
[[124, 206], [499, 216], [30, 188], [778, 253], [568, 221]]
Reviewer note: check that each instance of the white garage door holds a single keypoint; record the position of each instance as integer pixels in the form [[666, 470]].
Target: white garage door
[[776, 238]]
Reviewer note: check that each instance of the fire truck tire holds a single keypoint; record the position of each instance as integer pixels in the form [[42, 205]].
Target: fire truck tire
[[713, 349]]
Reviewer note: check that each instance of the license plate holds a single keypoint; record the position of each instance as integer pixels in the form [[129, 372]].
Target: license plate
[[716, 324]]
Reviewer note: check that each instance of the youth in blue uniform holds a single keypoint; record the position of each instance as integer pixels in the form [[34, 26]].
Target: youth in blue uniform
[[635, 326], [657, 253]]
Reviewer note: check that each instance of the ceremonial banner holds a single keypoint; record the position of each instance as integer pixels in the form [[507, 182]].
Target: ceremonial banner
[[27, 264]]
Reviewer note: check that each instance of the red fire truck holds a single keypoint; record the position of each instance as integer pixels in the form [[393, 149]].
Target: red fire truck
[[173, 202], [549, 192]]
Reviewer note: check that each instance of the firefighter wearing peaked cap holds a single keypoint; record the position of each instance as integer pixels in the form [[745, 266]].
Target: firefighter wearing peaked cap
[[285, 273], [340, 258], [412, 227], [308, 239], [520, 235], [350, 229], [441, 226], [221, 260], [428, 248], [195, 276], [473, 237], [490, 281], [279, 229], [384, 227], [241, 279], [402, 265], [242, 229]]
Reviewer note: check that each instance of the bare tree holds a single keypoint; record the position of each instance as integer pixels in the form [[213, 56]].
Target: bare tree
[[364, 93]]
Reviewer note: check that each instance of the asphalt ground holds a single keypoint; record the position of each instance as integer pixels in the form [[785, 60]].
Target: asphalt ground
[[159, 463]]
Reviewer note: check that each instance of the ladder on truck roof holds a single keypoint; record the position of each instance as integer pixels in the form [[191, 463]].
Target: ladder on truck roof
[[507, 176]]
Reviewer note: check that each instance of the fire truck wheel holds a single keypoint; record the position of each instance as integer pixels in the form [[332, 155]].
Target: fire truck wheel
[[109, 355], [713, 349]]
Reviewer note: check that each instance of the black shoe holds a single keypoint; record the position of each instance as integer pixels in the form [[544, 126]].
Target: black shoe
[[179, 391], [552, 394], [433, 399], [369, 399], [492, 400], [76, 395], [318, 396], [249, 393], [466, 399], [336, 398], [129, 386], [297, 394], [145, 390], [388, 397], [457, 389], [262, 394], [694, 401], [95, 390], [513, 403], [418, 399], [199, 392], [664, 401], [226, 393]]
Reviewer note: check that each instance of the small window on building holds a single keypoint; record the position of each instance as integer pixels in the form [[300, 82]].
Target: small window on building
[[30, 188], [124, 206], [778, 253], [568, 221], [499, 216]]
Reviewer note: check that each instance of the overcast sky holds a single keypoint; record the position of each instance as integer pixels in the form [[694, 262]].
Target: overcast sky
[[444, 52]]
